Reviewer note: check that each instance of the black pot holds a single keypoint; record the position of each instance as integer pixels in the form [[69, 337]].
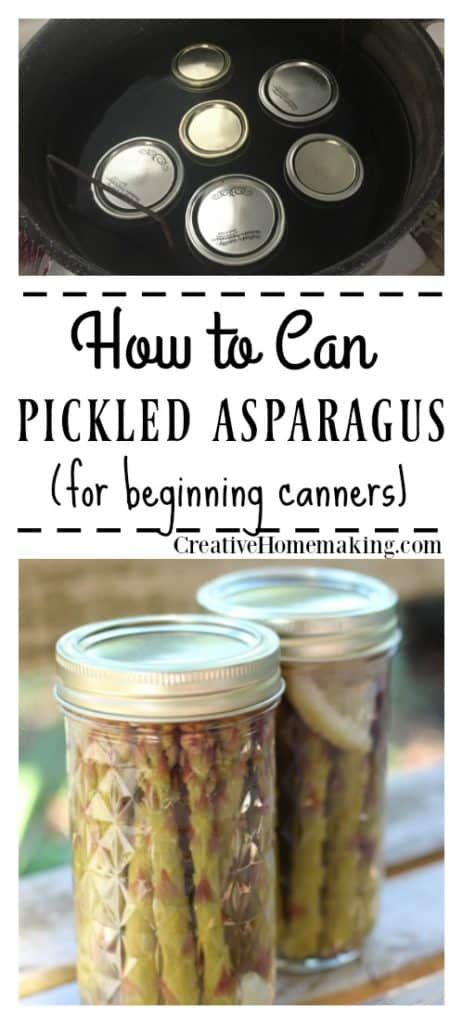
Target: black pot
[[74, 71]]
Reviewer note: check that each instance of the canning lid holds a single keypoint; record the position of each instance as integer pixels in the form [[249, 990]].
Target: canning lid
[[324, 167], [298, 91], [235, 220], [168, 668], [319, 614], [215, 128], [147, 170], [201, 65]]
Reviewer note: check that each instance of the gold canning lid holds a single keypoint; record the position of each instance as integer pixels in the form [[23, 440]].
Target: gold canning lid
[[201, 65], [168, 668], [213, 129]]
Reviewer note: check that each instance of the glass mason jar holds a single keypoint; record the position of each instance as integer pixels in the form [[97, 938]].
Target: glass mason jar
[[338, 631], [170, 739]]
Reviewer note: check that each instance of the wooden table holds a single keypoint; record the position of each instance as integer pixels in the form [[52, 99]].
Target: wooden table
[[402, 962]]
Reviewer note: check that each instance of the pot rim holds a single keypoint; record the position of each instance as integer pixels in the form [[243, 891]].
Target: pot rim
[[354, 264]]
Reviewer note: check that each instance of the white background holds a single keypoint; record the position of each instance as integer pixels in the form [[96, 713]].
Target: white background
[[419, 342], [406, 368]]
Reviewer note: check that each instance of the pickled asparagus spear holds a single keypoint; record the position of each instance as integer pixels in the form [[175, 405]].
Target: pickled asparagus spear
[[342, 855], [249, 897], [233, 758], [262, 855], [141, 982], [300, 932], [179, 979], [200, 777], [232, 752], [371, 828], [291, 735]]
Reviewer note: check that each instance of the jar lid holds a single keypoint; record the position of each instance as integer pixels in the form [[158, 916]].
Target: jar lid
[[201, 65], [324, 167], [298, 91], [319, 614], [168, 668], [147, 170], [235, 220], [213, 129]]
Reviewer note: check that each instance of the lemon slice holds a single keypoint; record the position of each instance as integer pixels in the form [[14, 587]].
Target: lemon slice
[[342, 714]]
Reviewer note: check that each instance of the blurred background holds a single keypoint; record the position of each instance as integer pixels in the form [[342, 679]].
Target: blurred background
[[57, 595]]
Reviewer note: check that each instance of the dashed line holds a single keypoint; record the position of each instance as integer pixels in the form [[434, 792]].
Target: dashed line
[[234, 294], [227, 529]]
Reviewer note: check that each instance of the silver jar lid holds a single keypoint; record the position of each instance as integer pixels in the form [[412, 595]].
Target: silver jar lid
[[147, 170], [168, 668], [235, 220], [298, 91], [319, 614], [324, 167], [213, 129], [201, 65]]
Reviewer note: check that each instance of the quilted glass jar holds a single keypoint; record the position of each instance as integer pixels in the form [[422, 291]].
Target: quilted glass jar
[[338, 631], [170, 738]]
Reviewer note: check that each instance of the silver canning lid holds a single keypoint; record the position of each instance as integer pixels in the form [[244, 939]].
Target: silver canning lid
[[319, 614], [201, 65], [215, 128], [168, 668], [235, 220], [147, 170], [324, 167], [298, 91]]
